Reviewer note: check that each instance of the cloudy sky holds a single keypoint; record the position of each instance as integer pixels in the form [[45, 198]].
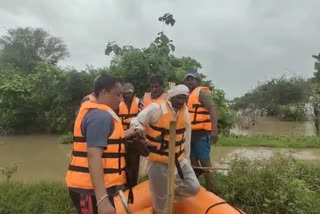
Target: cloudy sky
[[238, 42]]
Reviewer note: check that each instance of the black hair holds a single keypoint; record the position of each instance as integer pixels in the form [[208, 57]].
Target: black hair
[[157, 79], [104, 81]]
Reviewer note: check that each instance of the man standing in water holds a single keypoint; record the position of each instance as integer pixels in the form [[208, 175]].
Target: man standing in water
[[204, 124]]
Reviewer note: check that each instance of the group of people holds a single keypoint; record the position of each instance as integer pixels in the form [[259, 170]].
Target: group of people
[[113, 115]]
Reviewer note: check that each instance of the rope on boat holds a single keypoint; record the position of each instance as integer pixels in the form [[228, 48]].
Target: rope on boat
[[224, 202]]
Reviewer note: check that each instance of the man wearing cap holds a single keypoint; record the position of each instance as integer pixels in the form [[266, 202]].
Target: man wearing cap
[[204, 122], [155, 121]]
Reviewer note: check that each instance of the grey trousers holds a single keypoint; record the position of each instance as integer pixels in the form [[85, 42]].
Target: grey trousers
[[158, 181]]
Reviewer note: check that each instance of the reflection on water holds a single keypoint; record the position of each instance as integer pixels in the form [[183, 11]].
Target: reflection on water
[[273, 127], [41, 157]]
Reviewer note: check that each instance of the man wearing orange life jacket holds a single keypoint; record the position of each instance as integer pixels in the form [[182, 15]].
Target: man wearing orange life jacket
[[204, 122], [155, 121], [97, 162], [129, 106], [128, 109], [90, 97], [157, 91]]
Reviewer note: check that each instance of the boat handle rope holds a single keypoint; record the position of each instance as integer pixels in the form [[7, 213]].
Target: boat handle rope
[[224, 202]]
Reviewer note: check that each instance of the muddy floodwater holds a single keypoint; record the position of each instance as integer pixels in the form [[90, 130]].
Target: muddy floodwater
[[43, 158], [273, 127]]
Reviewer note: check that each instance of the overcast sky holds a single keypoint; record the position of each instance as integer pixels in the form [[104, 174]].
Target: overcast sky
[[238, 42]]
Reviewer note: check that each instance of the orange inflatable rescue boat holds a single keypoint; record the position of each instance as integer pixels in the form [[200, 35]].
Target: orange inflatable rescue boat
[[204, 202]]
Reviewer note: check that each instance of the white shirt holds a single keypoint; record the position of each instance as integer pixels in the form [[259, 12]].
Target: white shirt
[[152, 114]]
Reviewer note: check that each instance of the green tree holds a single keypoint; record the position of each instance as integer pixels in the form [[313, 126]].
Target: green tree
[[137, 65], [44, 101], [134, 64], [25, 47], [15, 109], [315, 99], [269, 96]]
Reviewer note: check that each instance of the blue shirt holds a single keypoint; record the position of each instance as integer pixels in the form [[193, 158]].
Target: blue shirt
[[97, 126]]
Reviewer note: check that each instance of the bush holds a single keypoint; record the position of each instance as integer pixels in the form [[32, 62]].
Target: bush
[[44, 198], [292, 113], [66, 138], [227, 116], [278, 185]]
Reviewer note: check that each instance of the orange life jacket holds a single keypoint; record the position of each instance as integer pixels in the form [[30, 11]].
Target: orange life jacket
[[125, 114], [113, 160], [147, 99], [158, 134], [89, 97], [199, 115]]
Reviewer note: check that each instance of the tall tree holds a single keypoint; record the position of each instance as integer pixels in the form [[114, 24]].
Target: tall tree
[[269, 96], [315, 99], [135, 64], [25, 47]]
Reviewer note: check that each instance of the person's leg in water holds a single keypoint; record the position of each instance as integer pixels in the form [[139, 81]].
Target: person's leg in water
[[194, 158], [200, 152], [204, 157]]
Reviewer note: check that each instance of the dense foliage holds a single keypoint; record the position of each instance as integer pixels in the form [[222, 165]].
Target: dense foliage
[[37, 96], [278, 185], [315, 99], [273, 94]]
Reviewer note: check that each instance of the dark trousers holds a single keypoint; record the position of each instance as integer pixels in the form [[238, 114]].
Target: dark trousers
[[85, 203]]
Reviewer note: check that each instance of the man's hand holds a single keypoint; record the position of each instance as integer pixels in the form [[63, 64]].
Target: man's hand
[[129, 132], [105, 207], [214, 136], [139, 133], [134, 132]]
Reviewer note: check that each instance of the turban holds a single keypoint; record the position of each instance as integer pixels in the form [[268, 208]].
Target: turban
[[177, 90]]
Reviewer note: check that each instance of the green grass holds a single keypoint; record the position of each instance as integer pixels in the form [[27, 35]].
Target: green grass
[[268, 141], [279, 185], [42, 197]]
